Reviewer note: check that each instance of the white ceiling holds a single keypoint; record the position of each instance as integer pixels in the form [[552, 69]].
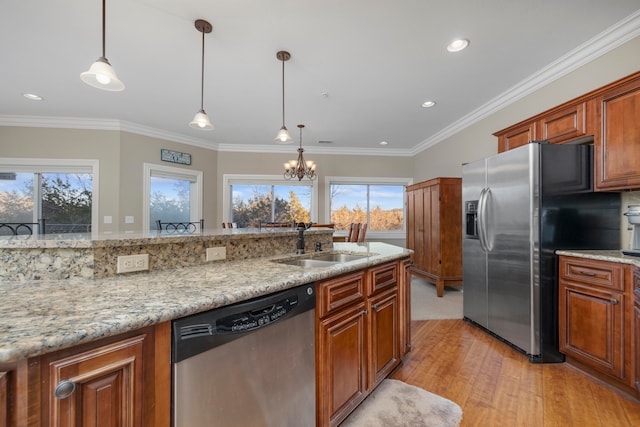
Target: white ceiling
[[375, 61]]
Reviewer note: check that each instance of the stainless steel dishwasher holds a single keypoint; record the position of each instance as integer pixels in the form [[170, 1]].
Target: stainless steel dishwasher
[[247, 364]]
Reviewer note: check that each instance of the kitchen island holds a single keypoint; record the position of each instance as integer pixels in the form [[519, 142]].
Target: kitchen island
[[40, 318]]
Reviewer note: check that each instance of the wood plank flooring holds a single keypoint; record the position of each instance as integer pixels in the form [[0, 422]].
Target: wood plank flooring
[[497, 386]]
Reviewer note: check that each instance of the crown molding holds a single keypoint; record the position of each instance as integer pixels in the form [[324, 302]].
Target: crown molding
[[291, 148], [613, 37], [100, 124]]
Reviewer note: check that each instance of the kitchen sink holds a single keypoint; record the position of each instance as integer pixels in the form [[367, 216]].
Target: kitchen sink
[[338, 257], [324, 260]]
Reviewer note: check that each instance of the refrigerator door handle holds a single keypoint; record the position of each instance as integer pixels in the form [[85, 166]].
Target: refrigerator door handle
[[482, 219]]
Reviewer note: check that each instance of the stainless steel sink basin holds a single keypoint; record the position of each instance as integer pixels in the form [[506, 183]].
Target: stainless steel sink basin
[[324, 260], [308, 263], [338, 257]]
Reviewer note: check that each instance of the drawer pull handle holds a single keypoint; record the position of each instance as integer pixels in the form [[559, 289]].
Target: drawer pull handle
[[64, 389], [587, 273], [613, 301]]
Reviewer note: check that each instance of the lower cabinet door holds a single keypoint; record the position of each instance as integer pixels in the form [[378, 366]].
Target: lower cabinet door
[[342, 364], [384, 329], [4, 399], [101, 387], [591, 328]]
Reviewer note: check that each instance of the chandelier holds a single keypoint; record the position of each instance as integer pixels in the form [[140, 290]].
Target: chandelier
[[300, 168]]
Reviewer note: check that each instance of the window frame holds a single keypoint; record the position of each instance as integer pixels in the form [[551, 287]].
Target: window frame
[[195, 177], [40, 165], [244, 179], [351, 180]]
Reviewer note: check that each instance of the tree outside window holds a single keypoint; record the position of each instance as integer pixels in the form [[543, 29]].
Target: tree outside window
[[270, 203], [380, 206]]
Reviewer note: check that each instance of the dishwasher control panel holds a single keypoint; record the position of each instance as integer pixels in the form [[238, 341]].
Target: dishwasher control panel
[[256, 318]]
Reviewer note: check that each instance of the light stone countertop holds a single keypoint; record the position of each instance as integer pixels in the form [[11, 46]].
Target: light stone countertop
[[104, 240], [602, 255], [38, 317]]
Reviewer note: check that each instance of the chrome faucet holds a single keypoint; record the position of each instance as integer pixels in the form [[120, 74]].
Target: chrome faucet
[[302, 227]]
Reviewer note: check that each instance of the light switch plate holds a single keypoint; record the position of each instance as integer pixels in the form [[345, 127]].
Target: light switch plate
[[130, 263], [217, 253]]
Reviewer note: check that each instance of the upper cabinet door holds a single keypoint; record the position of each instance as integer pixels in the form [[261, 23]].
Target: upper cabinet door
[[617, 141], [517, 136], [566, 124]]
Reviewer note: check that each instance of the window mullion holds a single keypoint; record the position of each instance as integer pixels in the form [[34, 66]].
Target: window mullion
[[37, 196]]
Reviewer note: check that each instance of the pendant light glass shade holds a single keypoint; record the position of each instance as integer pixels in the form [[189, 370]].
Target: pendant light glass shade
[[101, 74], [201, 120], [283, 136]]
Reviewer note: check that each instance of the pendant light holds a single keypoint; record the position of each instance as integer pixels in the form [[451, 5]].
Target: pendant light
[[300, 168], [201, 120], [101, 74], [283, 136]]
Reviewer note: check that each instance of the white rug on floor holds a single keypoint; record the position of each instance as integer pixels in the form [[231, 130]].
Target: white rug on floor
[[425, 304], [397, 404]]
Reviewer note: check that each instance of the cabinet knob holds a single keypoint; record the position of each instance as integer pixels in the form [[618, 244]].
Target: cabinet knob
[[365, 312], [375, 307], [64, 389], [613, 301]]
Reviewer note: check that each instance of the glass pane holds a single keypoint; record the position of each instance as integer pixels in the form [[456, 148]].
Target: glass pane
[[170, 201], [16, 200], [348, 204], [16, 197], [251, 204], [386, 204], [293, 203], [66, 202]]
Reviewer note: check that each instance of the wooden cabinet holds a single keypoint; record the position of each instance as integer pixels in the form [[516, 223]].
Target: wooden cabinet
[[617, 141], [4, 398], [123, 380], [404, 302], [357, 338], [516, 136], [434, 230], [566, 123], [636, 325], [595, 321]]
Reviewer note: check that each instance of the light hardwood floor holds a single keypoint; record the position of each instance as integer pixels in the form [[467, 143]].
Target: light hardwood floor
[[497, 386]]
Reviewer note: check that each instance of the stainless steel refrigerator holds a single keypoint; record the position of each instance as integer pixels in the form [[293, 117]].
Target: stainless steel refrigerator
[[520, 206]]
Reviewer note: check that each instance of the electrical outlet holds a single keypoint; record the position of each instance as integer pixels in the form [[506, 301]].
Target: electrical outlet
[[217, 253], [129, 263]]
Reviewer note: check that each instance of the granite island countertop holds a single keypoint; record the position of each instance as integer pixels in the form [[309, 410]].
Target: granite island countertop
[[602, 255], [38, 317]]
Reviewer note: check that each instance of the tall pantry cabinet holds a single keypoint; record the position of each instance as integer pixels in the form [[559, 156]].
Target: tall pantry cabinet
[[434, 231]]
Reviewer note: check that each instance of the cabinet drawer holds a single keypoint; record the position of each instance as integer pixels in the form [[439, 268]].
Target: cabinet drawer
[[383, 277], [339, 292], [599, 273]]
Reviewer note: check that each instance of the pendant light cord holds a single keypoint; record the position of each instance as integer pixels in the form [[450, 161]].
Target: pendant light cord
[[103, 26], [202, 77], [283, 93]]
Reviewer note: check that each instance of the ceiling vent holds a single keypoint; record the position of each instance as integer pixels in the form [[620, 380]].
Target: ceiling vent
[[325, 142]]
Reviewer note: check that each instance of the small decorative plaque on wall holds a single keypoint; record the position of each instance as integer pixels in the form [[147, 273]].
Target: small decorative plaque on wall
[[175, 156]]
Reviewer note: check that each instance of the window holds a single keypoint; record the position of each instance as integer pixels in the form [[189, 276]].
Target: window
[[266, 198], [59, 192], [171, 195], [379, 202]]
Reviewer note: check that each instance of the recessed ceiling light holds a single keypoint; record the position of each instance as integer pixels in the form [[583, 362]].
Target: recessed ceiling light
[[383, 142], [427, 104], [457, 45], [33, 96]]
